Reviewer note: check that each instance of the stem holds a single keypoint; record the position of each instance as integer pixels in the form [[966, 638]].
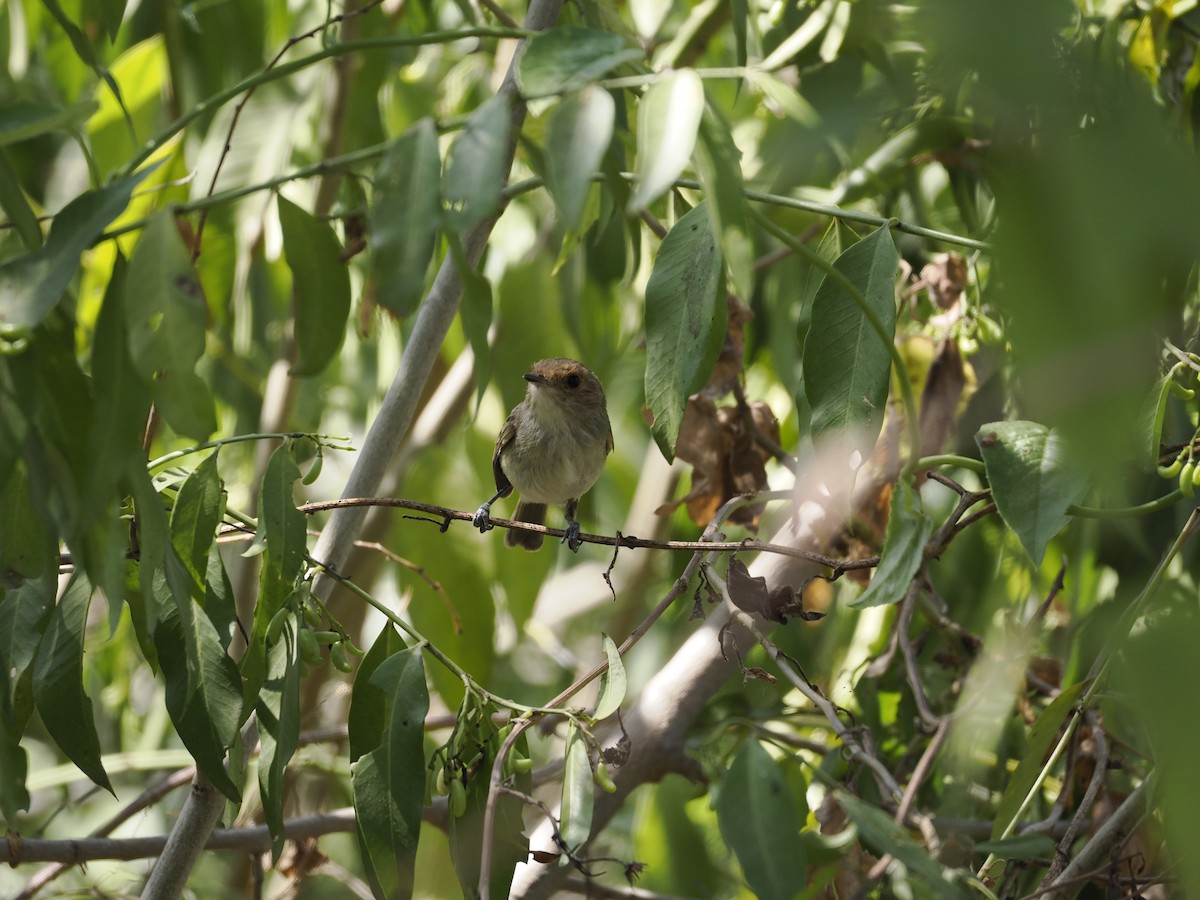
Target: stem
[[283, 71], [236, 439]]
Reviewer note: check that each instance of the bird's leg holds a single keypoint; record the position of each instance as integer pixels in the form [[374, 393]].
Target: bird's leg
[[571, 538], [483, 516]]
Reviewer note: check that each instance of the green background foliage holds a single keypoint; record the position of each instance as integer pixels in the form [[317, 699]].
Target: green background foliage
[[222, 223]]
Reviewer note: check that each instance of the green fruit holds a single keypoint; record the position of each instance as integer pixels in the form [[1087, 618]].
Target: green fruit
[[1187, 484], [309, 651], [458, 798], [338, 657], [314, 471], [1173, 469], [275, 627], [602, 778], [523, 765]]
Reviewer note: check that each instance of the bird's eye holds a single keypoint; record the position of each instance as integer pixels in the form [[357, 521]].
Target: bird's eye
[[572, 381]]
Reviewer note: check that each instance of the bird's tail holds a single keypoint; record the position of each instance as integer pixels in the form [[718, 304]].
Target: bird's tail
[[535, 514]]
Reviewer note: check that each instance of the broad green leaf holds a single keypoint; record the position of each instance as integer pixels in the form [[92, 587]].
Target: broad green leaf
[[199, 507], [21, 120], [739, 14], [668, 119], [27, 550], [389, 780], [166, 319], [112, 12], [219, 603], [882, 835], [404, 216], [685, 322], [719, 163], [475, 166], [321, 284], [368, 704], [847, 362], [121, 400], [787, 98], [577, 137], [1034, 480], [153, 530], [564, 59], [612, 683], [203, 688], [24, 613], [759, 821], [283, 527], [278, 711], [16, 206], [14, 762], [65, 709], [1020, 846], [578, 791], [1044, 733], [908, 530], [31, 286]]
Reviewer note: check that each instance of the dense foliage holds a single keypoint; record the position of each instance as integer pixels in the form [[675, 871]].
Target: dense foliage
[[895, 306]]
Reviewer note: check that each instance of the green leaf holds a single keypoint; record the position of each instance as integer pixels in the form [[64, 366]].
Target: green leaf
[[16, 206], [882, 835], [562, 60], [612, 683], [278, 711], [199, 507], [31, 286], [24, 613], [404, 216], [758, 818], [577, 137], [21, 120], [578, 791], [685, 322], [321, 283], [847, 363], [65, 709], [14, 762], [283, 527], [26, 549], [1020, 846], [389, 780], [719, 163], [368, 704], [1044, 733], [121, 400], [668, 119], [166, 320], [112, 12], [908, 530], [475, 166], [1034, 480], [203, 687], [739, 14]]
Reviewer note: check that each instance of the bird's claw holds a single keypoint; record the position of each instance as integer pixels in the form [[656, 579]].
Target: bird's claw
[[483, 518], [571, 538]]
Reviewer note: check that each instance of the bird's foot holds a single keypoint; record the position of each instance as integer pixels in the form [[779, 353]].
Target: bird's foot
[[483, 518], [572, 538]]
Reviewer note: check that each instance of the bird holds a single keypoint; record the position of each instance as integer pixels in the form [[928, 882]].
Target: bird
[[551, 449]]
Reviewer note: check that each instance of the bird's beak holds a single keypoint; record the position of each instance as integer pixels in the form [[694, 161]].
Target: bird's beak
[[534, 378]]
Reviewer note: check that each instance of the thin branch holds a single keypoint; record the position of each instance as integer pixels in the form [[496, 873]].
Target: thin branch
[[447, 514], [255, 839]]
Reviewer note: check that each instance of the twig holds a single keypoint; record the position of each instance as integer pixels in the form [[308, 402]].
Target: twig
[[16, 850], [1107, 836], [447, 514], [1063, 849]]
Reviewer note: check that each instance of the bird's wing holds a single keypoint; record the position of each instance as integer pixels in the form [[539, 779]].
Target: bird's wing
[[507, 433]]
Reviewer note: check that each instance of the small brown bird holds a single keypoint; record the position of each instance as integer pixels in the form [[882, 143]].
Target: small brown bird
[[551, 449]]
